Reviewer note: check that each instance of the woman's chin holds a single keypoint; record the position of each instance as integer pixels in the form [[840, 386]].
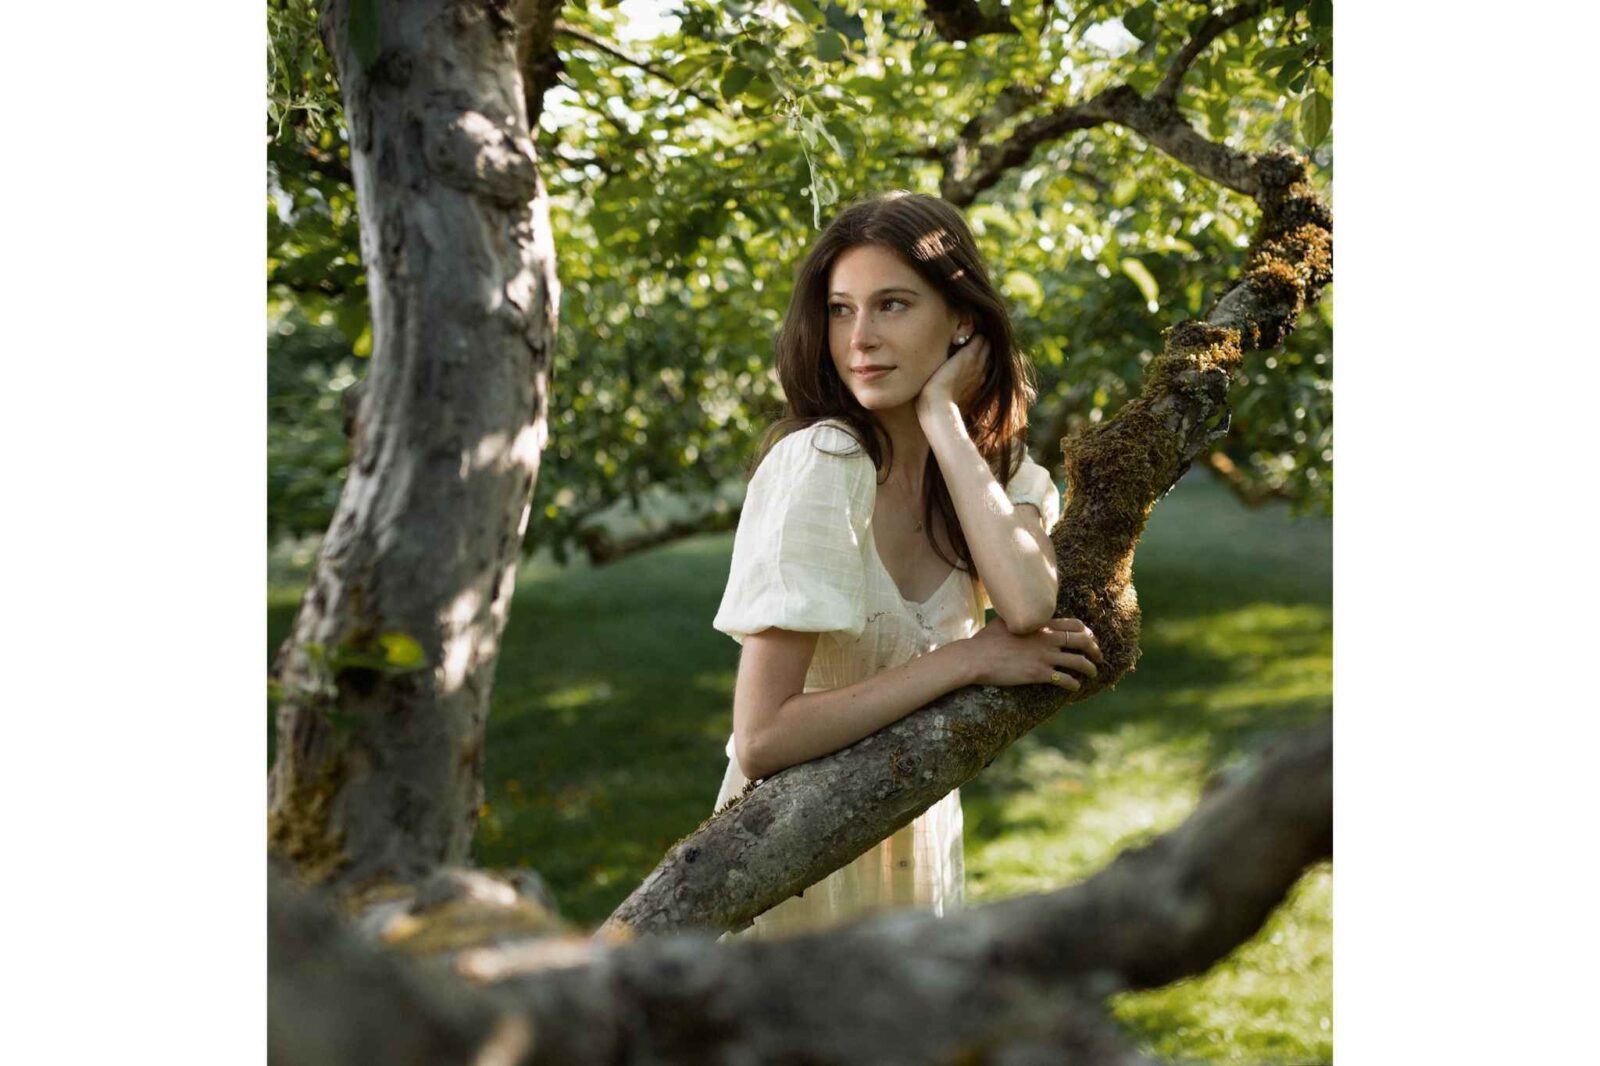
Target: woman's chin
[[880, 404]]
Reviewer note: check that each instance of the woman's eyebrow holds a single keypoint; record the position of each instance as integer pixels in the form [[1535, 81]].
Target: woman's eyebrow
[[881, 292]]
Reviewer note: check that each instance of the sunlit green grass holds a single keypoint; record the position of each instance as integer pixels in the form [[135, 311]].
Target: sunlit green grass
[[612, 701], [1238, 644]]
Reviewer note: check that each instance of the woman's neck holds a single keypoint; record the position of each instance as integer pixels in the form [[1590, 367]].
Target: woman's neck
[[910, 446]]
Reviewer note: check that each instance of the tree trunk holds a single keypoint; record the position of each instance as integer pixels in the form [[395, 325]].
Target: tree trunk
[[384, 683]]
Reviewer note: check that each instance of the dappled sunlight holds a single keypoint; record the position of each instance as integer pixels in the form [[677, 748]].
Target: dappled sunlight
[[1278, 982], [498, 452], [461, 637], [1256, 632], [613, 700], [933, 244], [1041, 818]]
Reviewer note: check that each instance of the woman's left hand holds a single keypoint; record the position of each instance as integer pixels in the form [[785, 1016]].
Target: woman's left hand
[[959, 379]]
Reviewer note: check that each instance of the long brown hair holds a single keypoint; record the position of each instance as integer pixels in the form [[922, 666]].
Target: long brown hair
[[932, 237]]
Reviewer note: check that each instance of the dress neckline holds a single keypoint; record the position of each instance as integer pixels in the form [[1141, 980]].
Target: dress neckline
[[907, 600]]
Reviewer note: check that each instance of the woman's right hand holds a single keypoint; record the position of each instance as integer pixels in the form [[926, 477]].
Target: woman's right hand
[[1000, 657]]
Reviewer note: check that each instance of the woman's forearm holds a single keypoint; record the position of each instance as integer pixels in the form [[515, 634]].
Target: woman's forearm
[[1011, 555], [812, 724]]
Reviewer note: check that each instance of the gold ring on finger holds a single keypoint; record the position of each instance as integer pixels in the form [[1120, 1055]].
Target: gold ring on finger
[[1056, 677]]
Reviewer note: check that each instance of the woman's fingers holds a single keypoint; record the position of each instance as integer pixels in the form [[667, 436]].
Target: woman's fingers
[[1079, 663], [1083, 642], [1081, 638], [1066, 681]]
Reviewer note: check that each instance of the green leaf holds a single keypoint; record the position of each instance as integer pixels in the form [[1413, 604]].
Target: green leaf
[[734, 79], [1217, 117], [364, 29], [1273, 58], [1321, 12], [1141, 21], [1316, 117], [1143, 278], [1024, 287], [400, 650], [761, 89], [351, 318], [830, 46], [581, 73]]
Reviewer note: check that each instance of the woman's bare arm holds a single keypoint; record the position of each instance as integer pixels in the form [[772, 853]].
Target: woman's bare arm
[[776, 724], [1009, 544]]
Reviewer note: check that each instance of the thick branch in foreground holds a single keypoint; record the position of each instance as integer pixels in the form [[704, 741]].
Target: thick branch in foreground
[[796, 827], [1017, 981]]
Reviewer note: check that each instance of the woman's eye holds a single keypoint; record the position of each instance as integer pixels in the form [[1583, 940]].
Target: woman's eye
[[893, 300], [836, 309]]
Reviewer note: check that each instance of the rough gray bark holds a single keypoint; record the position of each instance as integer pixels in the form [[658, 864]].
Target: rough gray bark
[[380, 742], [1013, 982], [798, 826]]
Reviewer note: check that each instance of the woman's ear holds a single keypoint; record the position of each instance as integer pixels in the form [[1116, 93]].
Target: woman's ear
[[966, 326]]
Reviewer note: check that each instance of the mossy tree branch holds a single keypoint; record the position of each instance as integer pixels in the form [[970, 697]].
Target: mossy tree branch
[[1017, 981], [796, 827]]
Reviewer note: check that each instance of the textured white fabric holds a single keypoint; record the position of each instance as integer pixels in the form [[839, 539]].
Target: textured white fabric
[[798, 559], [804, 559]]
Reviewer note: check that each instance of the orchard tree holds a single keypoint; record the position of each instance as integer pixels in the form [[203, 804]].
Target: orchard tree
[[687, 172], [384, 683]]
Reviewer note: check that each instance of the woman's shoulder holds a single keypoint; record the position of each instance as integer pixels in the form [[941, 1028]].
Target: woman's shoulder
[[826, 443]]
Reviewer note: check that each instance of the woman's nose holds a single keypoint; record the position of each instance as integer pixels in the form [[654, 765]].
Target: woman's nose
[[861, 335]]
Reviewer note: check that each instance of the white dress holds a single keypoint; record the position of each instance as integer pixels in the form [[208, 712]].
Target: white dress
[[804, 559]]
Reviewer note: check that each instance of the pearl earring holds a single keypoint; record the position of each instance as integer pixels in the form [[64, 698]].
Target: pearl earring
[[960, 341]]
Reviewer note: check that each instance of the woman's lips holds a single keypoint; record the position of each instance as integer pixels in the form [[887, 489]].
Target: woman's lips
[[871, 373]]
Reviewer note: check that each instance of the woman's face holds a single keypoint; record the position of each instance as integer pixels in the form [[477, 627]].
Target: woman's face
[[882, 315]]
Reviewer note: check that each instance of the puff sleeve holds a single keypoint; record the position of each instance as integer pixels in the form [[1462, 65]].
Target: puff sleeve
[[799, 552], [1032, 484]]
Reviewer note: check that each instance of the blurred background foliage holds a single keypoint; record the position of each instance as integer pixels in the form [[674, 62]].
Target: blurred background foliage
[[693, 150]]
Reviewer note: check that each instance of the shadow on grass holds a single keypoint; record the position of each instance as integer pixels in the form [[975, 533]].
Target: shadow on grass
[[613, 699]]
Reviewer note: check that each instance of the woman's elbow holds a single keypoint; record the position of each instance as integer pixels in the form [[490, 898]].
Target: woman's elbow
[[1021, 625], [752, 760], [1029, 617]]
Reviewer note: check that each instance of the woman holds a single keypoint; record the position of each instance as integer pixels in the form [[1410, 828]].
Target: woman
[[896, 505]]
